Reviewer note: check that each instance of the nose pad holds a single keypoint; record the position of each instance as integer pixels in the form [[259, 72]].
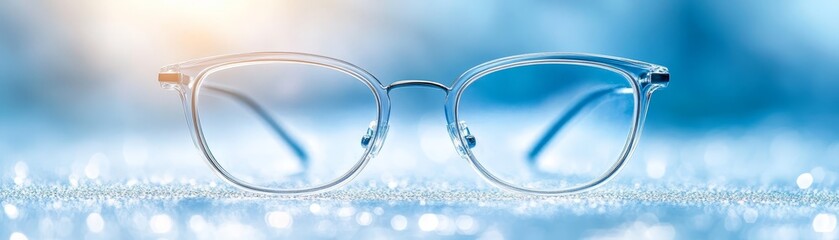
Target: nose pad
[[468, 138], [365, 140], [368, 138], [467, 135]]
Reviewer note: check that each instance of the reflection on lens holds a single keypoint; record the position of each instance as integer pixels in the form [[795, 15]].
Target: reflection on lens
[[550, 126], [285, 126]]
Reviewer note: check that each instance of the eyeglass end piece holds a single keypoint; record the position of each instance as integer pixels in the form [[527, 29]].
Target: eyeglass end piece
[[169, 80], [660, 78]]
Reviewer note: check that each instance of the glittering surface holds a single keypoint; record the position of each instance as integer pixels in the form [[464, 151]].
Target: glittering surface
[[692, 188], [212, 209], [675, 195]]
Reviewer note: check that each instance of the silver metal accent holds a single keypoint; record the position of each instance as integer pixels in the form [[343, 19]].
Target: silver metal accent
[[418, 83]]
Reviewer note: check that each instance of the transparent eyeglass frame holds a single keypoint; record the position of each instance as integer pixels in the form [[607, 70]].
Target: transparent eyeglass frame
[[188, 77]]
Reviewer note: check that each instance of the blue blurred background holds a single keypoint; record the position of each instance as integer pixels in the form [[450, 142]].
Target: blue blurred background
[[752, 100], [83, 73]]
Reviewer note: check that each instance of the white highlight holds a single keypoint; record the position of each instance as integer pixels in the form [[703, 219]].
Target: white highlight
[[399, 222], [804, 181], [315, 208], [11, 211], [428, 222], [279, 219], [95, 223], [364, 218], [824, 223], [18, 236], [160, 223]]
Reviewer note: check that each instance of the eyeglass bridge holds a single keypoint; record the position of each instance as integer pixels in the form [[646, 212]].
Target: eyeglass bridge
[[417, 83]]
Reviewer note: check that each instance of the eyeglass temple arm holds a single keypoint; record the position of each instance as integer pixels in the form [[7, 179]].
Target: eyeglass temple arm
[[586, 102], [266, 117]]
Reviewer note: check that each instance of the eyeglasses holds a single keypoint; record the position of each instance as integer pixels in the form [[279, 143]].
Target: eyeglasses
[[291, 123]]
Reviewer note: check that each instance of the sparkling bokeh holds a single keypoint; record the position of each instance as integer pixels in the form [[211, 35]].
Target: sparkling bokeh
[[743, 144]]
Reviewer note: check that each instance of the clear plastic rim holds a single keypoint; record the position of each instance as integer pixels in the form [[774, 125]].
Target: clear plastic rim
[[640, 94], [373, 84]]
